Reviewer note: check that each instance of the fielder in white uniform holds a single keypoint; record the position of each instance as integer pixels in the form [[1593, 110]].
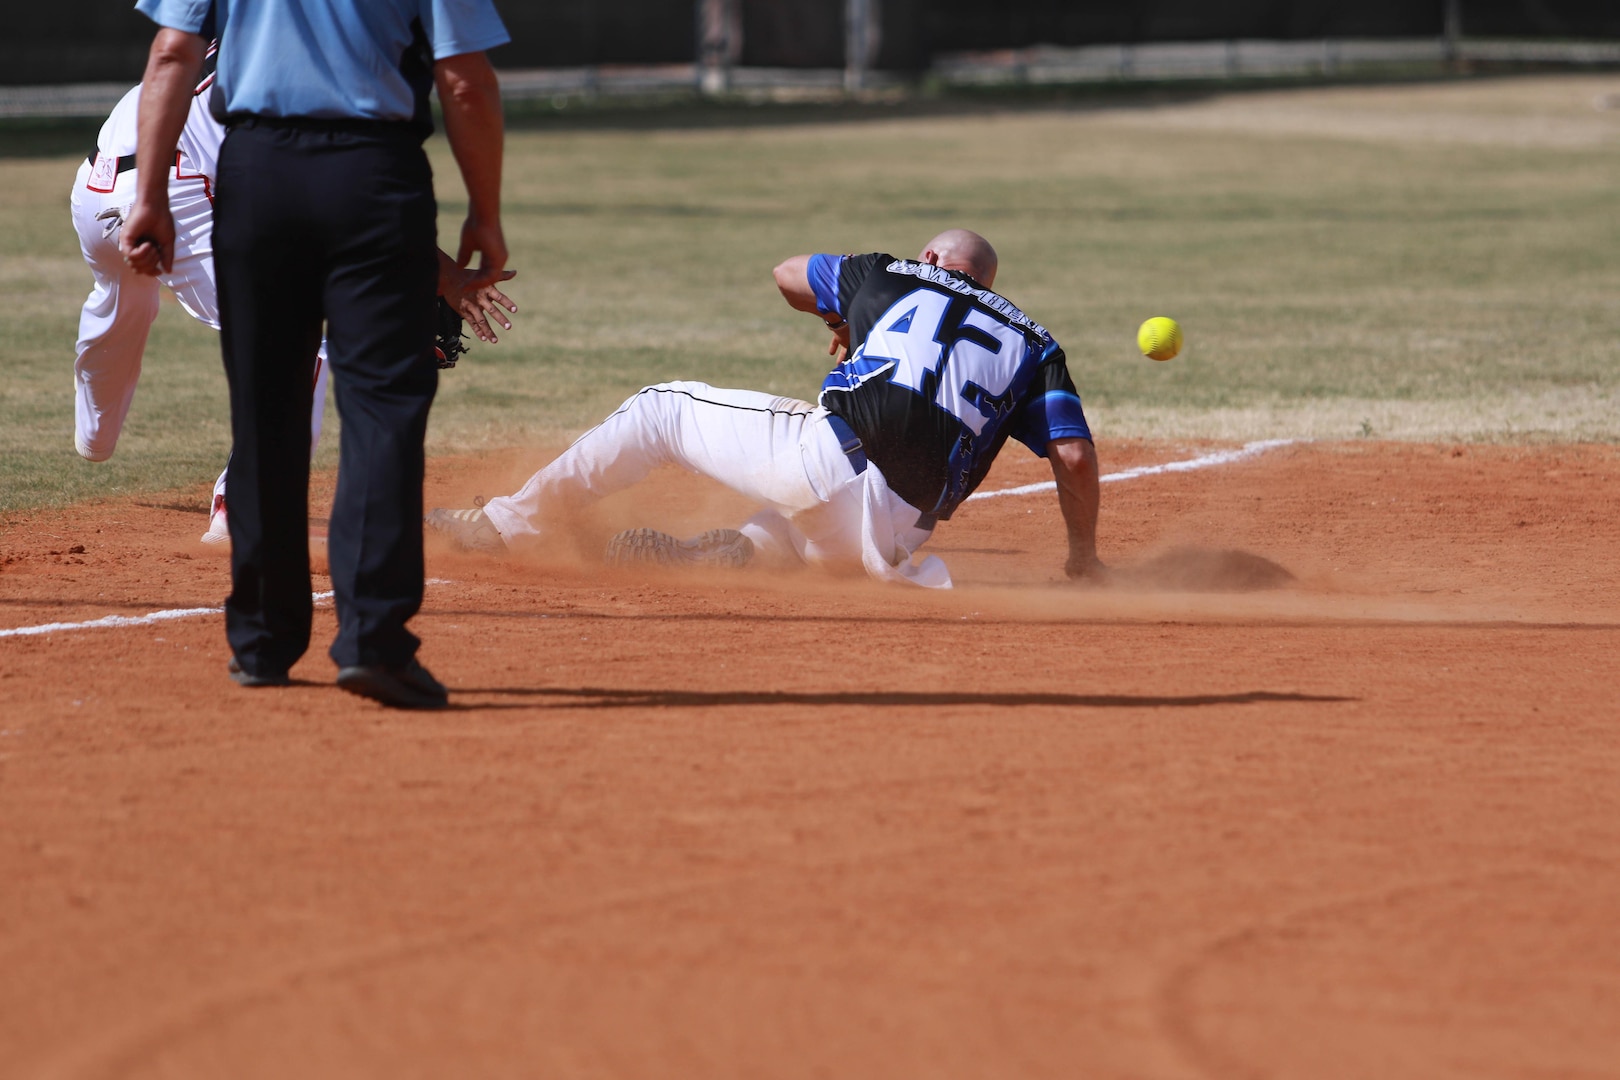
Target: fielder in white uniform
[[119, 312], [940, 372], [121, 307]]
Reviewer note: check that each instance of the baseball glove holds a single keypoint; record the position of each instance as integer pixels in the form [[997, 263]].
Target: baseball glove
[[447, 344]]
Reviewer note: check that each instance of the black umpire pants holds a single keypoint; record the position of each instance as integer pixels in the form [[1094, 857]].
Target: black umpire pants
[[333, 221]]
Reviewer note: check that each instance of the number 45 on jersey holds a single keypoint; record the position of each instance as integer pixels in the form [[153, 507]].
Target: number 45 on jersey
[[966, 363]]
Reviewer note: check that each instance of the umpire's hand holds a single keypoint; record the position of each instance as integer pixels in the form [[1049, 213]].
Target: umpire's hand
[[480, 306], [173, 66], [486, 238], [147, 238]]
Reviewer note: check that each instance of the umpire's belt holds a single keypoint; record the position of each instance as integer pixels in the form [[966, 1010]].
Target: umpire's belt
[[125, 163], [848, 442]]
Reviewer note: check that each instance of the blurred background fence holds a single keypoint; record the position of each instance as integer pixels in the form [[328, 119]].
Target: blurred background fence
[[67, 57]]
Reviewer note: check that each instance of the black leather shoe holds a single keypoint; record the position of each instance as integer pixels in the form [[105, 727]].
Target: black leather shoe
[[243, 678], [410, 686]]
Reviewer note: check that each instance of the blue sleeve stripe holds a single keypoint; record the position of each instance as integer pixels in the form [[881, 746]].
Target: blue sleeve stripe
[[1062, 415], [823, 272]]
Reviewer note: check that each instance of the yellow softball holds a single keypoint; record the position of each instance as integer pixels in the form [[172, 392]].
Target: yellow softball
[[1159, 338]]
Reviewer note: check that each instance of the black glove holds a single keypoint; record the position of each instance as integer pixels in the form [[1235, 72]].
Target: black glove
[[447, 344]]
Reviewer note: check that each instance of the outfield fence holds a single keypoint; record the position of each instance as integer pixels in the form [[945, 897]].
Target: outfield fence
[[1258, 59], [1036, 66]]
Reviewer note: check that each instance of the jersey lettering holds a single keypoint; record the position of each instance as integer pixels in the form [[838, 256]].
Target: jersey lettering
[[908, 336], [947, 280], [970, 381], [942, 373], [974, 398]]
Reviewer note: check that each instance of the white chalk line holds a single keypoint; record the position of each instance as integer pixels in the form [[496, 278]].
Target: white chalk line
[[151, 618], [129, 620], [1222, 457], [112, 620]]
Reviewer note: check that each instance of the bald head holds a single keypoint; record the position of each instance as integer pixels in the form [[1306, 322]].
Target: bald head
[[965, 252]]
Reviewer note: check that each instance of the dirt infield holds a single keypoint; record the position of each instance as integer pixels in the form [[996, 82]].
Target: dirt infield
[[1363, 822]]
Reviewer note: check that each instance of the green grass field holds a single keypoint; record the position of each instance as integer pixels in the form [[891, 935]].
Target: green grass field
[[1433, 261]]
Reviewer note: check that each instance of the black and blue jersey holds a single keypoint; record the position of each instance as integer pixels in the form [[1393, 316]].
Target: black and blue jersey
[[940, 372]]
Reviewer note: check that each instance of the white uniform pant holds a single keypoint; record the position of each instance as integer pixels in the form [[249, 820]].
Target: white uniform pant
[[119, 312], [778, 451]]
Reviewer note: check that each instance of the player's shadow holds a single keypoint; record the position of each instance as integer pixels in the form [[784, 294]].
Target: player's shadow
[[593, 697]]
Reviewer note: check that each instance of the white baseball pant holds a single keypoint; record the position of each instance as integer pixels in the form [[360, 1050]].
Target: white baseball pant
[[119, 312], [778, 451]]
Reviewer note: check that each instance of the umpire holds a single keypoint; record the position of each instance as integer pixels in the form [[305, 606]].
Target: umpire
[[325, 210]]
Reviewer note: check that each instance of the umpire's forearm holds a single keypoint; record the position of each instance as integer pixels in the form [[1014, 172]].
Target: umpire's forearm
[[172, 69], [471, 97]]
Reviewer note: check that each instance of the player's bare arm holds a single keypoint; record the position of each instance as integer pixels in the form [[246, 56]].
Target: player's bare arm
[[480, 305], [1074, 467], [172, 68], [793, 280], [471, 97]]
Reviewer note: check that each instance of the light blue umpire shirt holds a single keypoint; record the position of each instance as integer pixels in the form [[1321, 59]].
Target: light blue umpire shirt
[[329, 59]]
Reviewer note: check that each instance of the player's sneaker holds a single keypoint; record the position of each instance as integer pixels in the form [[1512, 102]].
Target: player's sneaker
[[468, 530], [725, 548], [219, 530]]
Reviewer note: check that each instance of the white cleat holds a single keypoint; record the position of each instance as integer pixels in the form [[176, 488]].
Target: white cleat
[[724, 548], [219, 531], [469, 530]]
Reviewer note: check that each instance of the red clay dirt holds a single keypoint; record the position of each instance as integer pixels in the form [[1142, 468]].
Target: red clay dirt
[[1362, 823]]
